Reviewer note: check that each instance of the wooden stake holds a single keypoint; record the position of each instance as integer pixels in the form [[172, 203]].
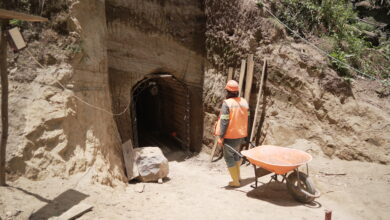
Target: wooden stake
[[4, 101], [230, 73], [242, 75], [328, 214], [258, 101], [249, 77]]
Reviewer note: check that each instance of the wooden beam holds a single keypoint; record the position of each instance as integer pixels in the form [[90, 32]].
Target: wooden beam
[[249, 77], [230, 74], [7, 14], [253, 133], [4, 101], [242, 75]]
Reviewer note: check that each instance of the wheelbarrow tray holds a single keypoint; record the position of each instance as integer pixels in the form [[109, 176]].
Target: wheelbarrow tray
[[279, 160]]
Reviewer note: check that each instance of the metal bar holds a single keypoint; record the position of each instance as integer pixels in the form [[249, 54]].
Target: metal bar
[[254, 166], [299, 181], [307, 170]]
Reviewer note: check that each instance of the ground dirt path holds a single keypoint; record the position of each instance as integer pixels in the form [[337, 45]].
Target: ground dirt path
[[196, 190]]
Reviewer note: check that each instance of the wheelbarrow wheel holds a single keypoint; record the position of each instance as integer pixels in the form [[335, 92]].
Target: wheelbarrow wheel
[[295, 187]]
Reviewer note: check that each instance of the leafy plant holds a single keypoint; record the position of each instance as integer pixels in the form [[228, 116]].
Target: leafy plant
[[336, 21], [16, 22], [340, 57]]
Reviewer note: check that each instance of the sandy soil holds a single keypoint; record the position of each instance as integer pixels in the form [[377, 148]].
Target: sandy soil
[[196, 189]]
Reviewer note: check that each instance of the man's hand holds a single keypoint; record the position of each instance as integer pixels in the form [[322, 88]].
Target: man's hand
[[220, 142]]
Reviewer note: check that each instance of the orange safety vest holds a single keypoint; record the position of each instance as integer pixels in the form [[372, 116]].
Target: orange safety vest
[[238, 119]]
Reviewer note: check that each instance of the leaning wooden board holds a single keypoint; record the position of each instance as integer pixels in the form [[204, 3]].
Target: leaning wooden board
[[241, 78], [75, 212], [230, 73], [128, 157], [254, 126], [249, 77]]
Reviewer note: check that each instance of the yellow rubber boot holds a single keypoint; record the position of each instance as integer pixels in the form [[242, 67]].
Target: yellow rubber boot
[[238, 165], [234, 174]]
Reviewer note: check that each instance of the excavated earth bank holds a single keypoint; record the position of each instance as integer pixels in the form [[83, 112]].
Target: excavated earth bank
[[53, 134], [305, 98]]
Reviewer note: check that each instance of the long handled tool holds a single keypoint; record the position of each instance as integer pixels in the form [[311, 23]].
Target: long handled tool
[[214, 148]]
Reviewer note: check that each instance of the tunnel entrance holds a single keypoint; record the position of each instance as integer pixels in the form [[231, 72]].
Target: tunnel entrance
[[160, 112]]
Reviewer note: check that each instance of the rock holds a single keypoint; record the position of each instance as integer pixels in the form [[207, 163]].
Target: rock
[[364, 4], [139, 188], [151, 163]]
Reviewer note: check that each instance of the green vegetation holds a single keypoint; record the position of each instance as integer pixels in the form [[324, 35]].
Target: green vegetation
[[357, 43]]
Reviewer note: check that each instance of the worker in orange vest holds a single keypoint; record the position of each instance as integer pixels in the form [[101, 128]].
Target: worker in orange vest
[[232, 128]]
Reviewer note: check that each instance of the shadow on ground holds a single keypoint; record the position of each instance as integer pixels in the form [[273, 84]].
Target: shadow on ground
[[276, 193], [58, 205]]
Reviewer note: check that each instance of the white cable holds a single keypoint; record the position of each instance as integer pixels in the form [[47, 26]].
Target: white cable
[[319, 49], [78, 98]]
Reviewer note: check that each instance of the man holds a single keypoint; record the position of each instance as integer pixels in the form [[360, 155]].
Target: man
[[232, 128]]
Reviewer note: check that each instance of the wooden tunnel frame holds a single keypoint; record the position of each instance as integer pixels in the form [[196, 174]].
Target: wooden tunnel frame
[[143, 84]]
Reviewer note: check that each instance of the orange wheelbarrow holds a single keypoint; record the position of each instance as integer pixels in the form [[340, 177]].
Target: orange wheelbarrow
[[283, 162]]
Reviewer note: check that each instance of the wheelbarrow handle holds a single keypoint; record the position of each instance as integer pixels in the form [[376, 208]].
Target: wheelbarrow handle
[[235, 151], [253, 145]]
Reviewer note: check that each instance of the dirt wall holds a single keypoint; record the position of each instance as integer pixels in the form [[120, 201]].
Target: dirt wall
[[305, 98], [155, 36], [52, 132]]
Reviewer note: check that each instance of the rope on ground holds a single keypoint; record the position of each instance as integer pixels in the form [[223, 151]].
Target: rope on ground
[[78, 98], [313, 45]]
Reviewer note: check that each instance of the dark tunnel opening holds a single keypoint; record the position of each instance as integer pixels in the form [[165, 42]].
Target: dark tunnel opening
[[160, 113]]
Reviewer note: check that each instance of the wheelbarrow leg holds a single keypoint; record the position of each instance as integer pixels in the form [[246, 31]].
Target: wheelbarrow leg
[[256, 177], [254, 168]]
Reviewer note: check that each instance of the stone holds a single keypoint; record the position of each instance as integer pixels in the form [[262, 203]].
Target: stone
[[151, 163], [139, 188]]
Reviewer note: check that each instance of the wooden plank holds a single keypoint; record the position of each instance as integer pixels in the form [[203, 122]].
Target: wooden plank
[[230, 74], [7, 14], [128, 157], [4, 101], [249, 77], [258, 102], [75, 212], [242, 75]]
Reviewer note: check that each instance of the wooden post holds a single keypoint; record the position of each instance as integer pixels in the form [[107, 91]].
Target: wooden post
[[4, 101], [249, 77], [230, 74], [258, 101], [242, 75]]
